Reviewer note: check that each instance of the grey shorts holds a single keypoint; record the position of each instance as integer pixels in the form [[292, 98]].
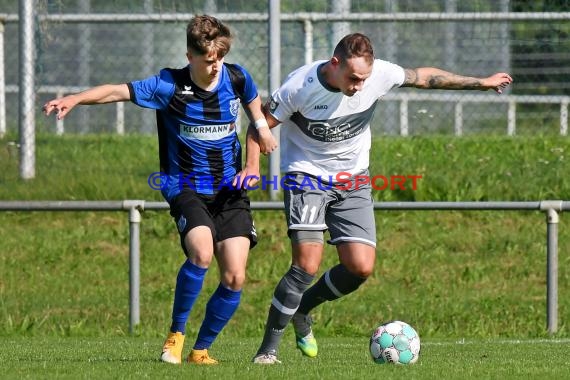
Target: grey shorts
[[311, 205]]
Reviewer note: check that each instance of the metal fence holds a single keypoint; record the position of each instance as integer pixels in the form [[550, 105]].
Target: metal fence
[[551, 208], [78, 46], [66, 48]]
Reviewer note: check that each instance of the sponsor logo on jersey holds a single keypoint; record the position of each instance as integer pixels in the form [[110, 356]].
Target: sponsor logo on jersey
[[207, 132], [334, 129], [321, 107], [322, 130]]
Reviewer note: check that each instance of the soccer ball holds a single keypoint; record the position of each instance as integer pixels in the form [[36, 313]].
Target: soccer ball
[[395, 342]]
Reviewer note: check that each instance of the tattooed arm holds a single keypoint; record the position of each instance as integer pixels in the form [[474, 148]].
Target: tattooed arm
[[433, 78]]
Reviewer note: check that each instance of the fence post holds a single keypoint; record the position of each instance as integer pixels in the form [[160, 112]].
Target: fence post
[[59, 128], [27, 96], [564, 118], [274, 31], [404, 129], [308, 31], [134, 261], [459, 119], [552, 219], [512, 118], [120, 126], [2, 84]]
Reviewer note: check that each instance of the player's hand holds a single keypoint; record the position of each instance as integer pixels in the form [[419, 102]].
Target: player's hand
[[497, 82], [61, 106], [267, 142], [247, 178]]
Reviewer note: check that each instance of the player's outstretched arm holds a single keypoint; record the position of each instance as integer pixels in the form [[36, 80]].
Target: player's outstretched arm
[[434, 78], [107, 93]]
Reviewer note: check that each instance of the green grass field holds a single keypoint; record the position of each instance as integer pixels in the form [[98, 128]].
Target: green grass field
[[340, 358], [472, 283]]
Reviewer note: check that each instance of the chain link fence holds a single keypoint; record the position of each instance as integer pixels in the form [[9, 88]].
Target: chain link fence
[[83, 43]]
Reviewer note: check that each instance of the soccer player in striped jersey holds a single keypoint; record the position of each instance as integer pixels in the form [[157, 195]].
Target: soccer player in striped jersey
[[202, 175], [325, 108]]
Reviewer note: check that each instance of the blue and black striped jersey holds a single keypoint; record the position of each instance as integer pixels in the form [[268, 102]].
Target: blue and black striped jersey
[[198, 144]]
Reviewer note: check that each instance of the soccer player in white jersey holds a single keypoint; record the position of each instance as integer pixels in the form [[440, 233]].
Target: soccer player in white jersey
[[325, 108]]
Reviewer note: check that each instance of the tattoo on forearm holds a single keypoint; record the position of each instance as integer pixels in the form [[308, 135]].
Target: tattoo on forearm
[[411, 77], [439, 80], [453, 82]]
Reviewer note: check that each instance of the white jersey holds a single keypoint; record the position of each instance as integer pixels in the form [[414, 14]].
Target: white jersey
[[325, 132]]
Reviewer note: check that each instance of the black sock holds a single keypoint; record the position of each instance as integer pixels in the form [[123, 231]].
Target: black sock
[[333, 284]]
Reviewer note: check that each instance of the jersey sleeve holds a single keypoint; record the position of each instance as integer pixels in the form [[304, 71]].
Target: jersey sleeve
[[250, 89], [282, 101], [153, 92], [392, 74]]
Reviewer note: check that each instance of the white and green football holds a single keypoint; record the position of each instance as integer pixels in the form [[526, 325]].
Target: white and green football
[[395, 342]]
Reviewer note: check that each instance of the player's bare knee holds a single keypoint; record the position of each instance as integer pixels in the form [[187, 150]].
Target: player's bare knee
[[307, 249], [203, 259], [307, 261], [362, 270], [233, 281], [309, 267], [358, 259]]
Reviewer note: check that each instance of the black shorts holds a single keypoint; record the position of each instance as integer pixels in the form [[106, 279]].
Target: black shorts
[[227, 214]]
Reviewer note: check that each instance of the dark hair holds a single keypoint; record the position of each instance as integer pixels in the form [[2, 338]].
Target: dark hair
[[354, 45], [206, 35]]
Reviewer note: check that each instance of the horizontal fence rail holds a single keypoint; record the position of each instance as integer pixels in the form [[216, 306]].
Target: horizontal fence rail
[[403, 98], [301, 16], [551, 208], [461, 100]]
